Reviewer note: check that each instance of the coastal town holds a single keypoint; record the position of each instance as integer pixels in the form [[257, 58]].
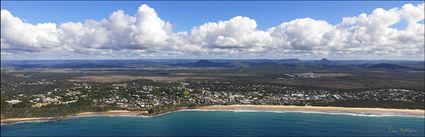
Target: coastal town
[[212, 68], [156, 95]]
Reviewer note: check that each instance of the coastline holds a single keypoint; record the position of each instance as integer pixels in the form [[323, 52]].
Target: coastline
[[22, 120], [82, 114], [111, 113], [321, 109]]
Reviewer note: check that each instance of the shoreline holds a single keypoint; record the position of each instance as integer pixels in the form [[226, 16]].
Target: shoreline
[[248, 108], [320, 109], [111, 113], [81, 114], [23, 120]]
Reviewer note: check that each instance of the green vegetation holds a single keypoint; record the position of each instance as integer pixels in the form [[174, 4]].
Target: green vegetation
[[47, 94]]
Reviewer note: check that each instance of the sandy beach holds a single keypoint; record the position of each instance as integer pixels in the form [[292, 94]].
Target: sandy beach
[[113, 113], [83, 114], [369, 111], [31, 119]]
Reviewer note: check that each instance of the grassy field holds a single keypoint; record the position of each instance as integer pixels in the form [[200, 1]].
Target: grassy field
[[118, 78]]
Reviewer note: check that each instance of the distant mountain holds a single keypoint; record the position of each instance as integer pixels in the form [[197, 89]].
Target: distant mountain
[[241, 63], [222, 63], [324, 60], [205, 63]]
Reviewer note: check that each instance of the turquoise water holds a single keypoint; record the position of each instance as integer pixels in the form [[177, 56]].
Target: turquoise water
[[224, 123]]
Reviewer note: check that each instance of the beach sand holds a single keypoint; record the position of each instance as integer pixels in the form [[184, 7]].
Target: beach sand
[[368, 111], [113, 113], [82, 114], [31, 119]]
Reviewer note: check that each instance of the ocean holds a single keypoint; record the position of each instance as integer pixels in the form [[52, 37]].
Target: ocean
[[224, 123]]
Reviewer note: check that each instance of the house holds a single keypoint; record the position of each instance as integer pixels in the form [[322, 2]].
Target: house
[[14, 101]]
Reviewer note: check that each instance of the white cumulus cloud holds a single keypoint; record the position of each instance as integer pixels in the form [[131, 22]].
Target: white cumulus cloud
[[145, 34], [17, 35]]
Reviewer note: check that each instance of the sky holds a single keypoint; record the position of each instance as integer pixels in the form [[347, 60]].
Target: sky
[[212, 29]]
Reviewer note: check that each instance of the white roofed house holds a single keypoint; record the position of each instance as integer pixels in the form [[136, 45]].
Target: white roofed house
[[14, 101]]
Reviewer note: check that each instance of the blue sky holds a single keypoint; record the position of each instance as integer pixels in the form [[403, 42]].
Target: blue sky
[[186, 14]]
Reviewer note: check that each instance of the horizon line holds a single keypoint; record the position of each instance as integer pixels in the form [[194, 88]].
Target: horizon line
[[223, 59]]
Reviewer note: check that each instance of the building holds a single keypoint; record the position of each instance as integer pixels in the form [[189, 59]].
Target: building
[[232, 99], [14, 101]]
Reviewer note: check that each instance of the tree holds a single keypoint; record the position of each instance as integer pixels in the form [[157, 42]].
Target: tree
[[25, 103], [151, 111]]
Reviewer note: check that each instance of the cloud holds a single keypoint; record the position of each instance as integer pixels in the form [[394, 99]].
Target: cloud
[[17, 35], [366, 35], [302, 34], [145, 34], [143, 31], [238, 32], [374, 34]]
